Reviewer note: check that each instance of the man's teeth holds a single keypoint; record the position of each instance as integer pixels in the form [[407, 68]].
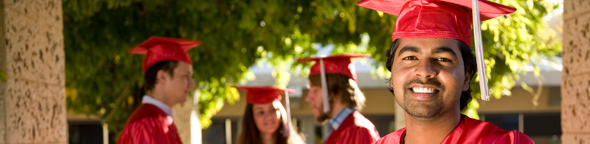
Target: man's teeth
[[423, 90]]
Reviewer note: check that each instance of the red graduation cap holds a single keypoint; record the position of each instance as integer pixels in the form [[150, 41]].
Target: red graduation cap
[[159, 49], [435, 18], [335, 64], [263, 95], [340, 64], [442, 19]]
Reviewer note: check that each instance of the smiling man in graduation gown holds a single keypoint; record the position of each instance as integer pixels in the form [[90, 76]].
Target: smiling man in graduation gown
[[168, 72], [334, 95], [431, 66]]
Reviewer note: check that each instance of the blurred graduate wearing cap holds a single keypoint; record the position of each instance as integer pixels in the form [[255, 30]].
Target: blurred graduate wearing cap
[[334, 95], [168, 71], [431, 67], [265, 119]]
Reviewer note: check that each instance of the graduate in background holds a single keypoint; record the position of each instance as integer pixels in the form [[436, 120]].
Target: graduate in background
[[168, 80], [431, 67], [335, 96], [265, 119]]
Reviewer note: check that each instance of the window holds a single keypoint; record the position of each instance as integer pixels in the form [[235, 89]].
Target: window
[[85, 132], [542, 124], [383, 123], [506, 121], [540, 127], [216, 133]]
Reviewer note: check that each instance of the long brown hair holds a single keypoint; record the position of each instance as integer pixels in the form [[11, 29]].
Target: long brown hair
[[341, 84], [251, 135]]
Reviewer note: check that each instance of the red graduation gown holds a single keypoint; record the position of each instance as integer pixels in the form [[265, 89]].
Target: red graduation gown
[[469, 131], [355, 129], [149, 125]]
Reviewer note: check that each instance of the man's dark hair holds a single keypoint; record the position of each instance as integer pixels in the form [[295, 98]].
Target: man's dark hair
[[151, 74], [469, 66]]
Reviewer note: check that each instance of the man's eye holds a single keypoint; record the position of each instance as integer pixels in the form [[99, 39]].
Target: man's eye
[[410, 58], [444, 60]]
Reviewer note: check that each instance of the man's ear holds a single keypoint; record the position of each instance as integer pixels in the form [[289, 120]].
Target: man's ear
[[468, 73], [162, 76], [391, 83]]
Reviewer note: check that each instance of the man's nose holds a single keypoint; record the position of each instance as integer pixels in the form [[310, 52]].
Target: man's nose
[[425, 69], [191, 83]]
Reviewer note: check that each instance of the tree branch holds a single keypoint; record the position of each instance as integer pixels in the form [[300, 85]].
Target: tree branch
[[117, 102]]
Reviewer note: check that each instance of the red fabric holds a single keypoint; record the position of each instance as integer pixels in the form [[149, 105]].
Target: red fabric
[[355, 129], [470, 131], [263, 95], [158, 49], [335, 64], [435, 18], [149, 125]]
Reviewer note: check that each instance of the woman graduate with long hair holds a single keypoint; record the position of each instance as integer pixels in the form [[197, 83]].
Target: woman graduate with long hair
[[265, 119]]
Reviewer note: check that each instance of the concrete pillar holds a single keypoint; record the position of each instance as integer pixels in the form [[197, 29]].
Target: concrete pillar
[[32, 100], [186, 119], [575, 86]]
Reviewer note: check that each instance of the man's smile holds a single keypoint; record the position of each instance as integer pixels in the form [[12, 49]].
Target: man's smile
[[424, 91]]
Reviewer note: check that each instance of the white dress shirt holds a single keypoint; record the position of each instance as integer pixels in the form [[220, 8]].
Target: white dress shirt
[[149, 100]]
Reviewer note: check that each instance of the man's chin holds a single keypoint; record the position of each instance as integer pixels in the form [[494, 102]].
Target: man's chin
[[321, 118], [182, 100], [425, 112]]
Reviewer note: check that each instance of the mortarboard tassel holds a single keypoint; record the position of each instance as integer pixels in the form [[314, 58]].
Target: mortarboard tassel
[[483, 81], [287, 132], [324, 87]]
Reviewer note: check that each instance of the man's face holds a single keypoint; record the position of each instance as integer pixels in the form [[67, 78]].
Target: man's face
[[180, 84], [316, 102], [427, 76]]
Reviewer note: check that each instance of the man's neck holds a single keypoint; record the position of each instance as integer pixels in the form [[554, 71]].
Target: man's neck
[[162, 106], [160, 96], [434, 129], [335, 109]]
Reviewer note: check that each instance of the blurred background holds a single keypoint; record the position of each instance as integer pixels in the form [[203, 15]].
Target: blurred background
[[76, 52]]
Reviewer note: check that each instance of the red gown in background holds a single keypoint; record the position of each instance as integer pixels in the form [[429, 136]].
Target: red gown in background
[[355, 129], [149, 125], [469, 131]]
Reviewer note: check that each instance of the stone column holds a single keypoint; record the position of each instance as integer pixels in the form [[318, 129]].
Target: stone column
[[575, 86], [32, 100], [186, 119], [182, 119]]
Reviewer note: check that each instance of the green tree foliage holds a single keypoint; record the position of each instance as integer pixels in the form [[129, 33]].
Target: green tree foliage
[[512, 42], [102, 78]]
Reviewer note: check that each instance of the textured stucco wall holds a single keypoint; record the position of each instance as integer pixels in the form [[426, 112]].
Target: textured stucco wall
[[182, 119], [32, 100], [575, 90]]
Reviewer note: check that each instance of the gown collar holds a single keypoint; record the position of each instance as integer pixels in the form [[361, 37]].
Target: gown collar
[[149, 100]]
